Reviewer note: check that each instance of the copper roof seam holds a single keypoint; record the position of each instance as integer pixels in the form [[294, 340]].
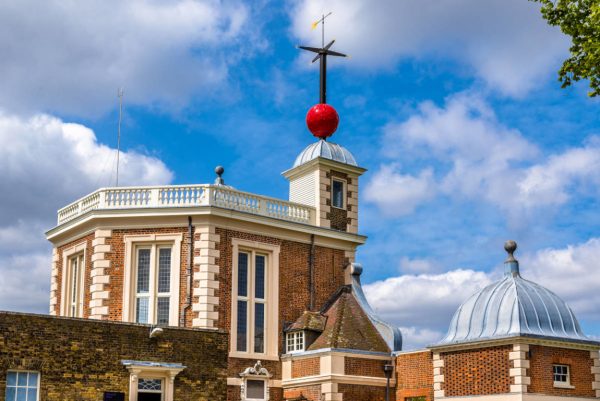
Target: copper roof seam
[[508, 286], [486, 309], [539, 294]]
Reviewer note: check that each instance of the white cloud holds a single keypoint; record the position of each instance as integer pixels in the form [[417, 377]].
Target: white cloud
[[506, 43], [479, 158], [72, 58], [397, 194], [423, 305], [418, 266], [45, 164]]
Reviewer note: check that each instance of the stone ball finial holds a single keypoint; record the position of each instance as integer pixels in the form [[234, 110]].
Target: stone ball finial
[[219, 170], [510, 247]]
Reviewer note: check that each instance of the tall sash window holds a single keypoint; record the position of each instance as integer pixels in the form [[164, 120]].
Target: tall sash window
[[75, 283], [251, 302], [153, 284]]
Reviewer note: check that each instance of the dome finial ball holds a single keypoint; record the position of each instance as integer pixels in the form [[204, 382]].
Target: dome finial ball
[[510, 247]]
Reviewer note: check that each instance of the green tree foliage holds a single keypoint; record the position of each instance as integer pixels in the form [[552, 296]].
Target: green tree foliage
[[580, 19]]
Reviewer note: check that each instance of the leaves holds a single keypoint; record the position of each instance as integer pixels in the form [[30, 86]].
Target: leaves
[[580, 19]]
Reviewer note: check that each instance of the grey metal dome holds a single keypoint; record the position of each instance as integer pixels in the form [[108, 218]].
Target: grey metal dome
[[513, 307], [327, 150]]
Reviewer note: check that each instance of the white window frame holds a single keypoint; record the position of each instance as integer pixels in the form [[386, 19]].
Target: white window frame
[[39, 376], [271, 300], [153, 242], [167, 375], [344, 192], [291, 342], [66, 301], [561, 384]]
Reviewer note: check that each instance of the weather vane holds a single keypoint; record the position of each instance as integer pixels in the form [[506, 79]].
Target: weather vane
[[322, 54]]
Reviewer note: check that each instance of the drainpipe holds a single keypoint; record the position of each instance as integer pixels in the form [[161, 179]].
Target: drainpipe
[[188, 274], [311, 273], [388, 368]]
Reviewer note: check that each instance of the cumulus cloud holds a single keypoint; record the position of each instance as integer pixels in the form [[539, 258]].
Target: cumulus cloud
[[422, 305], [45, 164], [506, 43], [476, 157], [72, 58], [398, 194]]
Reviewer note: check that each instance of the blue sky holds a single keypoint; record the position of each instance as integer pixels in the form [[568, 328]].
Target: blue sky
[[453, 106]]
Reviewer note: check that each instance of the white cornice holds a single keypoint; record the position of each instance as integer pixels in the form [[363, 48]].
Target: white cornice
[[310, 166]]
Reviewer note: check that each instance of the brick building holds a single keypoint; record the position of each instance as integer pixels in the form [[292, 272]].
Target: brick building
[[207, 292]]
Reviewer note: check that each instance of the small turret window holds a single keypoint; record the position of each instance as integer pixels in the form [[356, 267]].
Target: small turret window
[[337, 194], [295, 342], [562, 375]]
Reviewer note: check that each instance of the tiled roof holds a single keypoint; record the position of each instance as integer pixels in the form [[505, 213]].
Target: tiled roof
[[348, 326], [309, 321]]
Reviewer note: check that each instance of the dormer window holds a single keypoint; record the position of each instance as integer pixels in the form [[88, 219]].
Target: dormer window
[[562, 376], [295, 342]]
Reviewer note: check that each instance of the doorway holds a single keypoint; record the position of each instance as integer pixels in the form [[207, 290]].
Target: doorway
[[150, 390], [149, 397]]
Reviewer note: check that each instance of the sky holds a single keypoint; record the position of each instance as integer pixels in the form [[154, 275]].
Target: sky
[[453, 106]]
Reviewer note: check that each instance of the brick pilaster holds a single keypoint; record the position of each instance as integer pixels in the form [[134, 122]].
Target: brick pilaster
[[324, 199], [54, 282], [438, 376], [100, 262], [596, 372], [206, 284], [352, 200], [518, 372]]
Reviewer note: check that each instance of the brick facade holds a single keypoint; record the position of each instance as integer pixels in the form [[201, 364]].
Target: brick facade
[[79, 359], [309, 392], [542, 379], [414, 375], [306, 367], [364, 367], [352, 392], [482, 371]]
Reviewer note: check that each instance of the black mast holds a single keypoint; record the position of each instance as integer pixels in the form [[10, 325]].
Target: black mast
[[322, 54]]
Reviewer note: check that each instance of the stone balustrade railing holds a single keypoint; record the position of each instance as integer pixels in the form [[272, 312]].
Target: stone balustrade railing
[[187, 196]]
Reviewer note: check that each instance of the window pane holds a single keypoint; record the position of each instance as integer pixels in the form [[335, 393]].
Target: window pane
[[11, 393], [255, 389], [32, 394], [242, 327], [150, 384], [164, 270], [259, 328], [337, 194], [143, 271], [21, 378], [163, 311], [243, 274], [11, 378], [21, 394], [141, 310], [259, 291], [33, 379]]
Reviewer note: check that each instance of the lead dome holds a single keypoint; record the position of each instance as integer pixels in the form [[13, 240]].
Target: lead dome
[[513, 307], [326, 150]]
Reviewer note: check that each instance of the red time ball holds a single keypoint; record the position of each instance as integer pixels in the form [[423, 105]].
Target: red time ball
[[322, 120]]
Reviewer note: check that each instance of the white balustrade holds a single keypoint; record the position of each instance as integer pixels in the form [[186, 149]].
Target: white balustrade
[[187, 196]]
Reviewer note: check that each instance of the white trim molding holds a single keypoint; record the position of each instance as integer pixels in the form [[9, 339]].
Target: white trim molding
[[100, 262], [79, 248], [131, 241], [518, 371], [271, 340], [206, 283], [54, 282]]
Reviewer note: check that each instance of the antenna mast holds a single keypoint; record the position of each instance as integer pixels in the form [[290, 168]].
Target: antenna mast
[[120, 96]]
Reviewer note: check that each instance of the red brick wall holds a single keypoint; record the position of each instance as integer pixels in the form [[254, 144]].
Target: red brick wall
[[477, 372], [364, 367], [306, 367], [293, 270], [414, 375], [355, 392], [312, 393], [234, 393], [62, 264], [541, 374], [117, 265]]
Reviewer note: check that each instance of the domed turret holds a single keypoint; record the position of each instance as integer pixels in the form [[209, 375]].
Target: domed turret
[[326, 150], [513, 307]]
